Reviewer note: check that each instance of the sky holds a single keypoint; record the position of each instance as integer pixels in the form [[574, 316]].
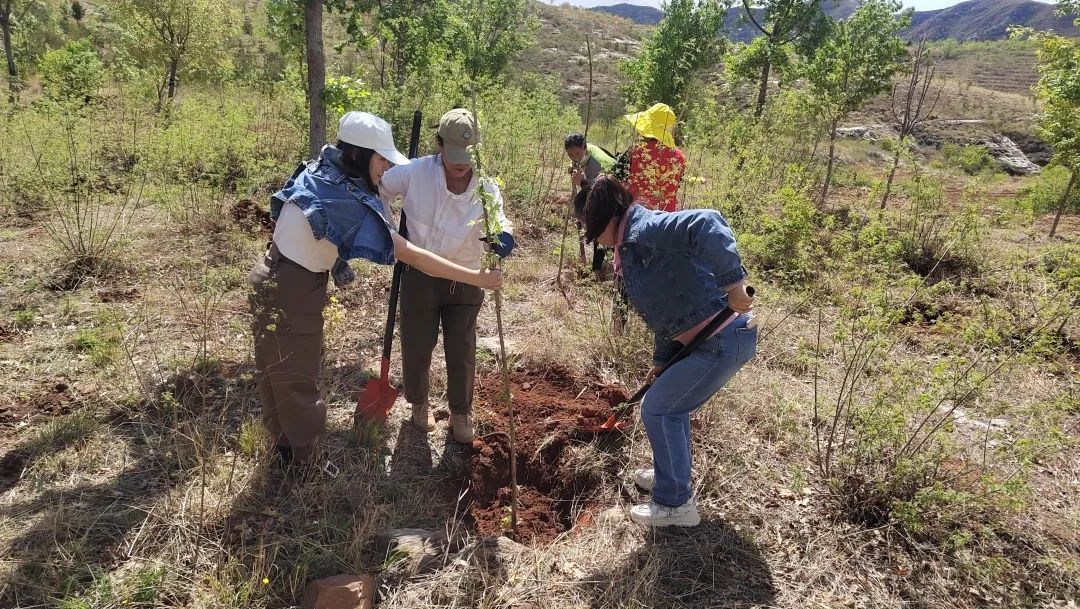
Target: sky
[[920, 5]]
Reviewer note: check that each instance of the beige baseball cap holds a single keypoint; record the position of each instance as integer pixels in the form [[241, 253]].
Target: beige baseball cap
[[459, 130]]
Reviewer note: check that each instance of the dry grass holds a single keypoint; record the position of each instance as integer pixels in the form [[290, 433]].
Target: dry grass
[[144, 481], [137, 495]]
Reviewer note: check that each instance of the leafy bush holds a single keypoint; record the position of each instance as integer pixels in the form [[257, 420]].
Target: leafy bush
[[344, 94], [88, 224], [937, 243], [971, 159], [1043, 194], [902, 447], [232, 145], [72, 72], [786, 244]]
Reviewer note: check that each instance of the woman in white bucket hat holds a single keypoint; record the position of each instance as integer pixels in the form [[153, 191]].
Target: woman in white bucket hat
[[327, 213]]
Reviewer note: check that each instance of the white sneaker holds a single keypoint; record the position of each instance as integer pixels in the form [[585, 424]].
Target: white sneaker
[[652, 514], [645, 478]]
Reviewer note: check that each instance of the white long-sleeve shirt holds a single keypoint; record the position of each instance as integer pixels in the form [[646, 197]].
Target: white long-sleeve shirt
[[447, 224]]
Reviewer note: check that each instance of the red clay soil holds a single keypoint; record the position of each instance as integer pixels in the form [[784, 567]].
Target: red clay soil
[[553, 408], [48, 400]]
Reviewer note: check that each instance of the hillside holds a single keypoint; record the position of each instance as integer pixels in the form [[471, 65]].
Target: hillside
[[560, 52], [645, 15], [972, 20], [986, 80], [987, 20]]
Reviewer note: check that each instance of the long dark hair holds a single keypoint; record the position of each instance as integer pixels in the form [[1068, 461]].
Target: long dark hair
[[357, 162], [605, 198]]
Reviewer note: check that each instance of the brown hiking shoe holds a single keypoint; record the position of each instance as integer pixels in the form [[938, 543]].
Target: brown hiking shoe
[[463, 428], [423, 418]]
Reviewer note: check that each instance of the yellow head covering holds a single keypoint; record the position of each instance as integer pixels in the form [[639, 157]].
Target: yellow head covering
[[658, 122]]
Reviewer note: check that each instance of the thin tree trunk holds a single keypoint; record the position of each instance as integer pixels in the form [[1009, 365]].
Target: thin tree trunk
[[162, 86], [892, 173], [829, 167], [316, 64], [1063, 203], [13, 72], [763, 87], [174, 68]]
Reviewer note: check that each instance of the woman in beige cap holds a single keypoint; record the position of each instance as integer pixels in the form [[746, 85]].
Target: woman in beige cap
[[327, 213], [439, 196]]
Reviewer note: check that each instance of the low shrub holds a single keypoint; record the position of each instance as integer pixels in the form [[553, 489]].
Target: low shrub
[[72, 73], [971, 159]]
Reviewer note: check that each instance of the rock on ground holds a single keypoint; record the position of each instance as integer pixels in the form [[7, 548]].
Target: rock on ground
[[496, 553], [1009, 156], [490, 344], [340, 592], [872, 133]]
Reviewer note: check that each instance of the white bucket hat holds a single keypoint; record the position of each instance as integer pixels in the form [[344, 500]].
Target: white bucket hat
[[366, 130]]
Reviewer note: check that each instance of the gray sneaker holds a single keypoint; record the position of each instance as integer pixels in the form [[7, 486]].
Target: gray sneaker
[[652, 514], [645, 478], [462, 427]]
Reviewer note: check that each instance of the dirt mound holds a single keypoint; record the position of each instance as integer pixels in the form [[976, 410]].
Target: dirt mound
[[48, 400], [554, 408], [251, 216]]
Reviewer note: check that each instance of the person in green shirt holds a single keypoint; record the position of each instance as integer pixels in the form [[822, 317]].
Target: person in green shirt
[[589, 161]]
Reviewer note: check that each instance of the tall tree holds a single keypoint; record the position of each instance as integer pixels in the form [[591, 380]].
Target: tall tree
[[1059, 90], [402, 37], [783, 23], [28, 30], [1059, 120], [7, 24], [172, 36], [490, 33], [1069, 7], [316, 76], [855, 63], [685, 44], [912, 104]]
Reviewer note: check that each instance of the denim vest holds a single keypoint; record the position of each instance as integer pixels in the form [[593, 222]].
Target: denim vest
[[340, 209], [675, 266]]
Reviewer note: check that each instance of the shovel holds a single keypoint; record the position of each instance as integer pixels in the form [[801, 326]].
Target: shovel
[[379, 395], [615, 422]]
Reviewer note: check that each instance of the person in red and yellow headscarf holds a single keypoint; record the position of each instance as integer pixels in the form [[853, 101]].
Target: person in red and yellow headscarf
[[652, 169]]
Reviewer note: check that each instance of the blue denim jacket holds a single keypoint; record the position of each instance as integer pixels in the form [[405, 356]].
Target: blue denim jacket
[[340, 209], [675, 266]]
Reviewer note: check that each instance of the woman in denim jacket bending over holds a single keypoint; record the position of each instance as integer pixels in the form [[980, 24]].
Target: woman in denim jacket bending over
[[680, 270]]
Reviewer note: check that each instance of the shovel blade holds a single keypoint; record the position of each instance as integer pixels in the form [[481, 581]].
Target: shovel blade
[[378, 397], [376, 401], [613, 423]]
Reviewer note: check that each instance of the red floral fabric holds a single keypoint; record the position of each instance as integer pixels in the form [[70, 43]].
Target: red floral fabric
[[655, 174]]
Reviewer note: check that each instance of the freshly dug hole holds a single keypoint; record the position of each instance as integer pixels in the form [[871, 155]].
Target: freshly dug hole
[[554, 408]]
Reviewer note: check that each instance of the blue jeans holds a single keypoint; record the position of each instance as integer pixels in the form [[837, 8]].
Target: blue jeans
[[682, 389]]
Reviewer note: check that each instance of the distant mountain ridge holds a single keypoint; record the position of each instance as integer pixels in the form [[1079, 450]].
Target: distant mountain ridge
[[972, 20]]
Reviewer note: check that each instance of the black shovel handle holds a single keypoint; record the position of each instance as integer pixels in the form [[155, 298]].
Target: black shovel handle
[[710, 329], [395, 281]]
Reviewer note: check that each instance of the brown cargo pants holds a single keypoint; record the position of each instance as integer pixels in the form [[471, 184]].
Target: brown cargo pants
[[287, 303], [425, 302]]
